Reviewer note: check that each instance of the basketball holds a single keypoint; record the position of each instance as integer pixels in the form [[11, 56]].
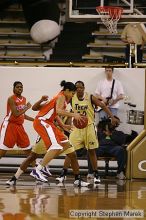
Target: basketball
[[81, 124]]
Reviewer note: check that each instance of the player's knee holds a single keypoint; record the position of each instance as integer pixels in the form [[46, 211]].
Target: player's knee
[[32, 157], [72, 155], [92, 152]]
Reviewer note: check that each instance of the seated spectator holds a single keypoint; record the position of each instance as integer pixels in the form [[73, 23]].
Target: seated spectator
[[111, 142], [131, 35]]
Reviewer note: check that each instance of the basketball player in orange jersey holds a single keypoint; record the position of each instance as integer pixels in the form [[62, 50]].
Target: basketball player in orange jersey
[[12, 131], [55, 140]]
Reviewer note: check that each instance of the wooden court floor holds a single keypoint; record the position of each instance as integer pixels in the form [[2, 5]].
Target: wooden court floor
[[32, 201]]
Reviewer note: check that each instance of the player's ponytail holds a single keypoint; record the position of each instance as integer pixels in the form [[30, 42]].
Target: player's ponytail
[[63, 82], [68, 85]]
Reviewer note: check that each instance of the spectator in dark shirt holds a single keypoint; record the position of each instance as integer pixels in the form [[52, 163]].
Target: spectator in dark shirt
[[111, 142]]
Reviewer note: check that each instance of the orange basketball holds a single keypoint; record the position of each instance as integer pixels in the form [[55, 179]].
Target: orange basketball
[[81, 124]]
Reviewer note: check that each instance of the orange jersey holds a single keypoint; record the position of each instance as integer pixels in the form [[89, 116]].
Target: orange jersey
[[48, 111], [20, 105]]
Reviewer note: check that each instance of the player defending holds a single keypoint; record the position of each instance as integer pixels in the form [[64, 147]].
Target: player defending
[[84, 103]]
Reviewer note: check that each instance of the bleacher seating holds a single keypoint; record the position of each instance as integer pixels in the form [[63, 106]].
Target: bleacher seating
[[15, 41], [107, 47], [105, 168], [72, 41], [78, 44]]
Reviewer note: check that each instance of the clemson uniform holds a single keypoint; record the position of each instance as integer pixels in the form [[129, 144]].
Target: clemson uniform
[[40, 148], [12, 130], [45, 127]]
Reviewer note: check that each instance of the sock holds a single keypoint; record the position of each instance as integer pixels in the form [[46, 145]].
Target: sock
[[96, 173], [64, 172], [39, 167], [77, 176], [18, 173], [13, 178]]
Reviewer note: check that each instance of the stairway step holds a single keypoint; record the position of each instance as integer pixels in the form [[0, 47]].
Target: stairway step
[[98, 45], [23, 58]]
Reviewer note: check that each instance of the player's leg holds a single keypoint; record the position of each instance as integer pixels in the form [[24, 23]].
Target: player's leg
[[22, 141], [37, 150], [93, 160], [31, 158], [91, 144], [8, 137], [56, 144], [53, 139], [63, 174], [99, 153], [71, 159], [76, 139]]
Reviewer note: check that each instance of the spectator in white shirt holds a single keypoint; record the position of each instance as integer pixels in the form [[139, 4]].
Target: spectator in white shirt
[[103, 92]]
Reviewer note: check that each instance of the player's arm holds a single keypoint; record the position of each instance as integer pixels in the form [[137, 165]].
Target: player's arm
[[28, 118], [100, 98], [64, 126], [97, 102], [38, 105], [14, 110], [62, 112]]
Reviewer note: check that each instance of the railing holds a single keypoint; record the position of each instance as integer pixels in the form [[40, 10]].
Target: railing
[[129, 15], [62, 64]]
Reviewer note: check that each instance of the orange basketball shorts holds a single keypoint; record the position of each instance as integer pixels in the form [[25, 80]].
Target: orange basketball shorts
[[13, 134], [51, 135]]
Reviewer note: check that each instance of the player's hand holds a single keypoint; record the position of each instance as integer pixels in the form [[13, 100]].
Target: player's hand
[[28, 105], [44, 98], [67, 128], [115, 121], [104, 100], [79, 117]]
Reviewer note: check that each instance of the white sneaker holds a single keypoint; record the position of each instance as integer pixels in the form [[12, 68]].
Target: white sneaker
[[121, 176], [61, 179], [81, 183], [11, 182], [38, 175], [90, 176], [60, 184], [46, 172], [97, 180]]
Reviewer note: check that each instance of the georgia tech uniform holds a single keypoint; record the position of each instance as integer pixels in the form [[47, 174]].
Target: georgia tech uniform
[[85, 137]]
